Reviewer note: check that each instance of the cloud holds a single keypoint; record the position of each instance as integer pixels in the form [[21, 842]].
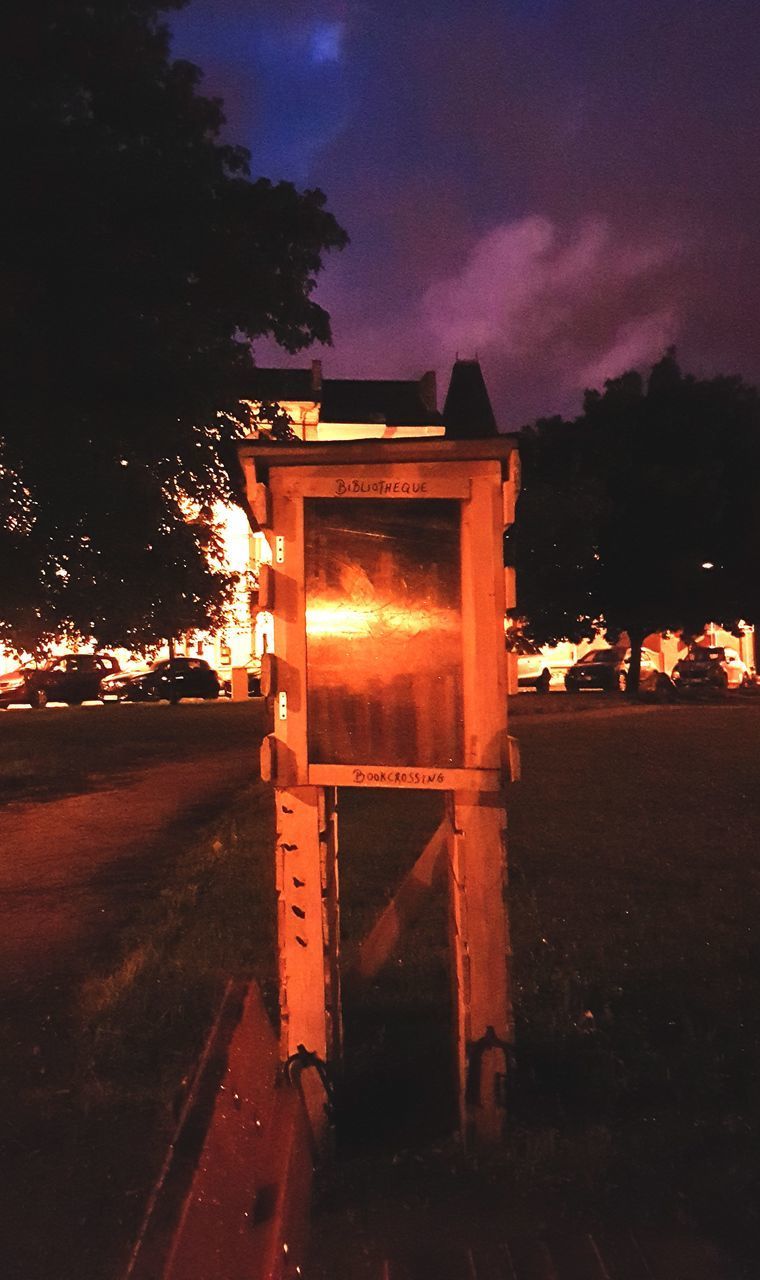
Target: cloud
[[564, 299], [564, 192], [638, 342], [548, 310]]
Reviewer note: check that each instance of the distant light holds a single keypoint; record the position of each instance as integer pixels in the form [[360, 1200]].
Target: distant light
[[124, 462], [708, 564], [325, 42]]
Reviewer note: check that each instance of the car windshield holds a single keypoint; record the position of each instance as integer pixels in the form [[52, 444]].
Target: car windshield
[[178, 664], [598, 655], [702, 654]]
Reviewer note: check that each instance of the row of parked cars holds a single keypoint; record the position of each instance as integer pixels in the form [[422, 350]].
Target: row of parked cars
[[708, 668], [83, 677], [79, 677]]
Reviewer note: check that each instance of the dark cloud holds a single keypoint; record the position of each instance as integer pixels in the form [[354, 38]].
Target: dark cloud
[[562, 186]]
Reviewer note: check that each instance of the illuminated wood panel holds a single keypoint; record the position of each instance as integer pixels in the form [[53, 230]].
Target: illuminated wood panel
[[389, 639]]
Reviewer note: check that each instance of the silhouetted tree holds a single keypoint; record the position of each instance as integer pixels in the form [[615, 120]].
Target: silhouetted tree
[[141, 261], [552, 544], [652, 483]]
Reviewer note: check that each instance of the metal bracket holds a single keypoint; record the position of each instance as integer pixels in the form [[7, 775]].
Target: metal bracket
[[308, 1073], [476, 1060], [279, 549]]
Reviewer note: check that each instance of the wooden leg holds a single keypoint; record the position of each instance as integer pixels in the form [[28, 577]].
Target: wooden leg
[[308, 941], [480, 940], [406, 905], [299, 922], [328, 852]]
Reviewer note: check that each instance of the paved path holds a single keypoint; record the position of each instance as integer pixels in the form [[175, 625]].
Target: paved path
[[72, 871]]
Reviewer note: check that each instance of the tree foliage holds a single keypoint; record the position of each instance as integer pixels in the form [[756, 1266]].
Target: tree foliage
[[141, 262], [623, 509], [553, 540]]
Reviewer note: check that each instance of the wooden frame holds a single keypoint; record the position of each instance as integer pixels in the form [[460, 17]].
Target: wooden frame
[[482, 477], [477, 484]]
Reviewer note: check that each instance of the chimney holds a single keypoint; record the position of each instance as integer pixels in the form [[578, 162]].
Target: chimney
[[428, 392], [316, 379]]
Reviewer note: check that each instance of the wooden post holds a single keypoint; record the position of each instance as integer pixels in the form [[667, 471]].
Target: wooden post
[[308, 927], [480, 941], [328, 855]]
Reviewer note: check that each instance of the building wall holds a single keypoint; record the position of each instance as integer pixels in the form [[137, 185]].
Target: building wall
[[248, 633]]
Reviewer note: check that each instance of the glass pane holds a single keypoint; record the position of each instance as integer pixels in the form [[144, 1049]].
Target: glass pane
[[383, 632]]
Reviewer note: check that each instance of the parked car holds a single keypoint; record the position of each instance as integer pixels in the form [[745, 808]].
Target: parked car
[[72, 678], [713, 668], [533, 670], [607, 669], [171, 679]]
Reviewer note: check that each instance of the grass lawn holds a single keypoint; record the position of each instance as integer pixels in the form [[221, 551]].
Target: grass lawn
[[634, 898], [67, 750], [85, 1114], [635, 908]]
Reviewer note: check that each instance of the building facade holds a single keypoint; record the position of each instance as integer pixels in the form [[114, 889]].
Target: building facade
[[313, 408]]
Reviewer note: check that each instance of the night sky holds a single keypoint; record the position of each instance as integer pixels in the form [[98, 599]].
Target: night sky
[[562, 187]]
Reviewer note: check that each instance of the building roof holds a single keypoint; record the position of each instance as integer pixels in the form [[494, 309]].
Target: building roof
[[393, 401], [397, 402], [467, 413]]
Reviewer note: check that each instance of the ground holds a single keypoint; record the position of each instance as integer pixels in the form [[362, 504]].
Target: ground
[[101, 804], [634, 895], [634, 902]]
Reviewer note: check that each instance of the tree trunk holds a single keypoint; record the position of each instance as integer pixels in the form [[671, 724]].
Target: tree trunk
[[635, 639]]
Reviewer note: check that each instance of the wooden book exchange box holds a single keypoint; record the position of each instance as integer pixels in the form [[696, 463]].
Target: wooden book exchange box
[[388, 592]]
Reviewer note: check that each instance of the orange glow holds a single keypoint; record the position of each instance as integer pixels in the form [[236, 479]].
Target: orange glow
[[383, 621]]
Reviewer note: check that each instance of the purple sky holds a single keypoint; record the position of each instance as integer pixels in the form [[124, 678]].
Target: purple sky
[[562, 187]]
